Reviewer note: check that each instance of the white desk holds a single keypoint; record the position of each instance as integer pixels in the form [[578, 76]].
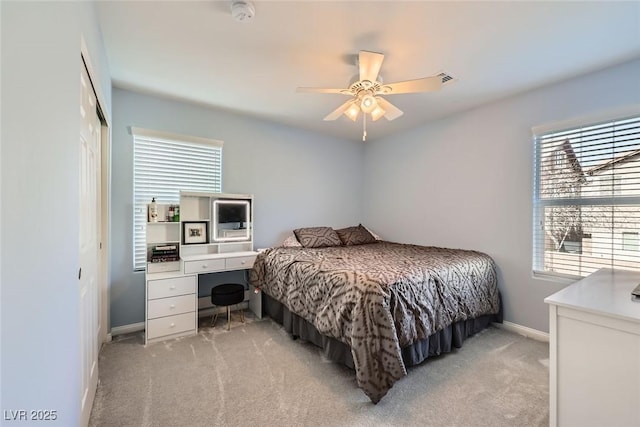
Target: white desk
[[172, 296], [594, 350]]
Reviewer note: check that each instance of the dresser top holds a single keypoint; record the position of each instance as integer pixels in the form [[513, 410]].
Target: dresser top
[[223, 255], [606, 292]]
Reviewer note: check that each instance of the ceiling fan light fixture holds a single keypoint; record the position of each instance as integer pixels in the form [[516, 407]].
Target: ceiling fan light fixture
[[353, 112], [377, 113], [368, 103]]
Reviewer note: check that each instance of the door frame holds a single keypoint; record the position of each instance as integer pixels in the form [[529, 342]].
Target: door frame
[[102, 246], [105, 194]]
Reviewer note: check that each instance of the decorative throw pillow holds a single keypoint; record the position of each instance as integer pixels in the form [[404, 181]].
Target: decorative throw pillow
[[355, 235], [291, 242], [375, 236], [317, 237]]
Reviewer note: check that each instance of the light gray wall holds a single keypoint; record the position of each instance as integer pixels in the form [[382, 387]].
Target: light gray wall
[[466, 181], [40, 198], [297, 178]]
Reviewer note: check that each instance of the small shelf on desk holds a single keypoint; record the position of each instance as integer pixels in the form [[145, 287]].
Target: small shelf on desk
[[163, 242], [161, 267]]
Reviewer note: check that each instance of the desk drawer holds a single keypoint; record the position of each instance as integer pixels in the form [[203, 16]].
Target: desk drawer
[[170, 325], [163, 288], [204, 266], [169, 306], [240, 263]]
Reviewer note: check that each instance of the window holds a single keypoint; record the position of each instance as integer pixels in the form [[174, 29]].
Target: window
[[587, 208], [163, 165]]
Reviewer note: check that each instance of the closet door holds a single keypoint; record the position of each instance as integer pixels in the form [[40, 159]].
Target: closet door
[[89, 309]]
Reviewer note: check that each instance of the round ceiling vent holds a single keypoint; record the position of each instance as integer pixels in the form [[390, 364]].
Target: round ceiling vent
[[242, 11]]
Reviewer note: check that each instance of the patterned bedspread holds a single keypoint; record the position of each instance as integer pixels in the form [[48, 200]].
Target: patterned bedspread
[[378, 298]]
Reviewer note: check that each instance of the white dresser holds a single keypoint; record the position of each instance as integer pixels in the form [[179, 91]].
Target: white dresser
[[594, 350], [171, 305], [172, 296]]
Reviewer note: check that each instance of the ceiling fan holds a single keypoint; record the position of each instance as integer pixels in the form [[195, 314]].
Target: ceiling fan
[[366, 92]]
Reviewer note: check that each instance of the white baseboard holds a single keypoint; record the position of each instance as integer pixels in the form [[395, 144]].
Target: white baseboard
[[127, 329], [523, 330]]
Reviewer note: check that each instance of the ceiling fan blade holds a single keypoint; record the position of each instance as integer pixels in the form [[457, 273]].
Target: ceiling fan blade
[[338, 111], [322, 90], [391, 111], [426, 84], [370, 63]]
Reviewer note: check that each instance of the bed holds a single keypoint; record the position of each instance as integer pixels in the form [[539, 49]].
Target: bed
[[379, 306]]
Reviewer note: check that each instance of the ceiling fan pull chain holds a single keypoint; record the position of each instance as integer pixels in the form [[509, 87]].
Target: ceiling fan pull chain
[[364, 127]]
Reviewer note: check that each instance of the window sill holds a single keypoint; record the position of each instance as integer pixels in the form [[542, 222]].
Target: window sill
[[565, 279]]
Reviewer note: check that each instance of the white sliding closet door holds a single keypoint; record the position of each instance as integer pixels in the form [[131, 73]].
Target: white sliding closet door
[[88, 274]]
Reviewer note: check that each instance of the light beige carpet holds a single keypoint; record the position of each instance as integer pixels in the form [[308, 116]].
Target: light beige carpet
[[256, 374]]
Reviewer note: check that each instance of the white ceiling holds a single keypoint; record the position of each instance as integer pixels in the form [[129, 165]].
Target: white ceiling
[[195, 51]]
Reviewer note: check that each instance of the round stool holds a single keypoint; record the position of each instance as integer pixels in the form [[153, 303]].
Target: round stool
[[227, 295]]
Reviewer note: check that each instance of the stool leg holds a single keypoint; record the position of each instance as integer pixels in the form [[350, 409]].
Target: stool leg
[[228, 318], [242, 315], [214, 317]]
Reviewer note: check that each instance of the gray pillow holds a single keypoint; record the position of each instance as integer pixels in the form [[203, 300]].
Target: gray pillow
[[355, 236], [317, 237], [291, 242]]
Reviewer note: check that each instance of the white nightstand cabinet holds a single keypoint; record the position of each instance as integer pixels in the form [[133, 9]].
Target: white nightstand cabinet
[[594, 351]]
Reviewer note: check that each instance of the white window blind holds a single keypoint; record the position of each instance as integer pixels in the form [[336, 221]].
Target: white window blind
[[163, 165], [587, 198]]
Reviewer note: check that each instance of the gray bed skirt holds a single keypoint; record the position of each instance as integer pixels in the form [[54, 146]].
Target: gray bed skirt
[[440, 342]]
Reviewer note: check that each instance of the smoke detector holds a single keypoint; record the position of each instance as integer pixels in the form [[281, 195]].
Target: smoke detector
[[242, 11]]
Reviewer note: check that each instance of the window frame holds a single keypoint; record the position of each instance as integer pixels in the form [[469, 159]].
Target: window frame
[[538, 247], [144, 188]]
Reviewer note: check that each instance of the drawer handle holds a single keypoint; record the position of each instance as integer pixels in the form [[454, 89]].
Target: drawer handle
[[204, 265], [172, 306], [172, 325], [172, 287], [243, 262]]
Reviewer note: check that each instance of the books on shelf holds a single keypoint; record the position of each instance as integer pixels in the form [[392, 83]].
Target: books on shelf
[[164, 253]]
